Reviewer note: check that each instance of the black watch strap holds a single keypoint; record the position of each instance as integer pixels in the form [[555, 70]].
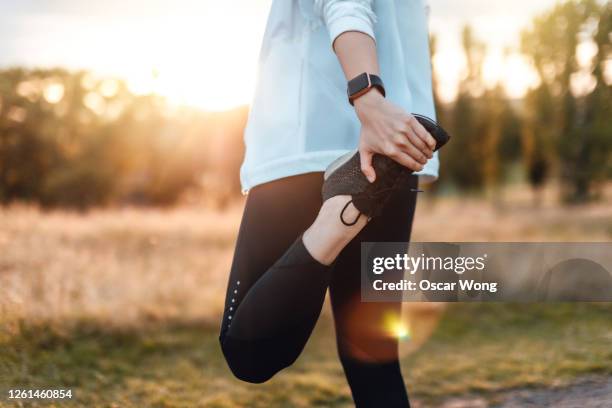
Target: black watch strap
[[363, 83]]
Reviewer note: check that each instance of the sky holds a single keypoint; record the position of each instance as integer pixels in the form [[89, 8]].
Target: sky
[[172, 47]]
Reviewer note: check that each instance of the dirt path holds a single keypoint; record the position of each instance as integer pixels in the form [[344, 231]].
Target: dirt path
[[593, 393], [587, 393]]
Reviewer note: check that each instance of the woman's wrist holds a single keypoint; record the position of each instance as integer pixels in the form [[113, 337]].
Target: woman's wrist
[[370, 99]]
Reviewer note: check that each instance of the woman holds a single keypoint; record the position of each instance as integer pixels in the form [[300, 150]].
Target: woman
[[293, 241]]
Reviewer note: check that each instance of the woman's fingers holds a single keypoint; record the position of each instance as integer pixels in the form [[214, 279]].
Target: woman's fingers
[[416, 141], [406, 160], [411, 137], [365, 156], [407, 147], [422, 133]]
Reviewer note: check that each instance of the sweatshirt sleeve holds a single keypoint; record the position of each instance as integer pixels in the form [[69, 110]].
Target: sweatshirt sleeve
[[346, 15]]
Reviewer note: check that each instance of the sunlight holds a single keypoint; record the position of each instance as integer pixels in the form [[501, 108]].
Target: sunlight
[[201, 61], [204, 53], [512, 71], [205, 62], [54, 93], [448, 62]]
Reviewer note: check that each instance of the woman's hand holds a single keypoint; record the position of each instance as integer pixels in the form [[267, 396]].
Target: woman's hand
[[389, 130]]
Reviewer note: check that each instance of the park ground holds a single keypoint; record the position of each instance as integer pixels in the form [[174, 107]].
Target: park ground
[[122, 306]]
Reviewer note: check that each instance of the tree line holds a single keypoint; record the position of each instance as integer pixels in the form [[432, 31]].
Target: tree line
[[562, 128], [71, 139]]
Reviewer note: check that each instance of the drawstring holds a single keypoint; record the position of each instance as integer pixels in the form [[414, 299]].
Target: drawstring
[[350, 224], [342, 216], [370, 200]]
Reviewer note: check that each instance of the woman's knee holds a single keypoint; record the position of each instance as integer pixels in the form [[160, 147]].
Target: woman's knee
[[252, 361], [247, 372]]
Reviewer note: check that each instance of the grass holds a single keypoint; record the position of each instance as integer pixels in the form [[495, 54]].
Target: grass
[[122, 306], [486, 348], [477, 349]]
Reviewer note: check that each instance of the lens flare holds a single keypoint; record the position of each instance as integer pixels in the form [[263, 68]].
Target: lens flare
[[402, 332], [396, 327]]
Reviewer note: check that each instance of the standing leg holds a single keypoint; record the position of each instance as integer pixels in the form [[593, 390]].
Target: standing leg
[[367, 347]]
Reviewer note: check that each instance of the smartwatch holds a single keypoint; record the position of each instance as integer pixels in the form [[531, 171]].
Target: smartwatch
[[362, 84]]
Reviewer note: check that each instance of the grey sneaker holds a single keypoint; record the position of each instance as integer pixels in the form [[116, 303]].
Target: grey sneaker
[[344, 177]]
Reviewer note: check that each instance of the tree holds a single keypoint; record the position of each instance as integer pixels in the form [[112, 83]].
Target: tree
[[559, 117]]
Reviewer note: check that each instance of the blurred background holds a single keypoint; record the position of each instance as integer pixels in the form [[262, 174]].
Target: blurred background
[[121, 200]]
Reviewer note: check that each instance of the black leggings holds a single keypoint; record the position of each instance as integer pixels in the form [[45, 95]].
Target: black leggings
[[276, 291]]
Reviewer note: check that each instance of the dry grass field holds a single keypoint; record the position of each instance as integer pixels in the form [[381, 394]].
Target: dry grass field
[[121, 305]]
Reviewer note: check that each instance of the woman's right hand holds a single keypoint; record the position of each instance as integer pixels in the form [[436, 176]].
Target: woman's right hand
[[389, 130]]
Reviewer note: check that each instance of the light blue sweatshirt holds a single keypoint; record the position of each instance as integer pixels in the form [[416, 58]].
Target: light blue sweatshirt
[[300, 119]]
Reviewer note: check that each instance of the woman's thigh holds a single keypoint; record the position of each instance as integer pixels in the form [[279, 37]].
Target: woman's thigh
[[275, 214], [364, 329]]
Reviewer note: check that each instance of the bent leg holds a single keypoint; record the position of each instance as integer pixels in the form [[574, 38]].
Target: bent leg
[[367, 347], [276, 289]]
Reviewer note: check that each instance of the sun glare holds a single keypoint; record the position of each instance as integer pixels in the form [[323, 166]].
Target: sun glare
[[208, 61], [204, 53], [512, 71]]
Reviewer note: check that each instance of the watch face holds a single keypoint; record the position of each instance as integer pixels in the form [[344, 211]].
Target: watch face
[[358, 84]]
